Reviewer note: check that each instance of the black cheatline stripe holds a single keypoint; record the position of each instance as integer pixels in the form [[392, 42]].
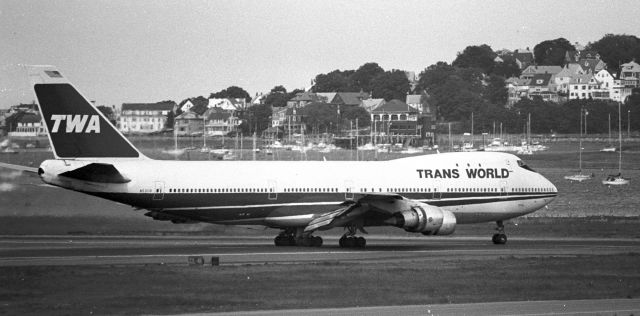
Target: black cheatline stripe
[[185, 201]]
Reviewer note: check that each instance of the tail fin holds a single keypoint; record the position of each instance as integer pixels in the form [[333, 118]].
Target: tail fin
[[76, 128]]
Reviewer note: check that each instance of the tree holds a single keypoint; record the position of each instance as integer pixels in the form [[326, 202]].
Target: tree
[[278, 97], [496, 91], [476, 57], [390, 85], [552, 52], [335, 81], [507, 69], [256, 119], [108, 113], [434, 75], [321, 116], [615, 50], [361, 78], [232, 92], [351, 113]]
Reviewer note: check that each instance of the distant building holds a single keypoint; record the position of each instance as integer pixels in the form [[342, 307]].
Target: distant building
[[517, 89], [581, 86], [219, 122], [144, 117], [523, 57], [530, 71], [29, 124], [541, 86], [629, 78], [395, 118], [188, 123]]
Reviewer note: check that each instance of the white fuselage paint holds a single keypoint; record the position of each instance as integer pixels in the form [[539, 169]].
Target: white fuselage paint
[[290, 193]]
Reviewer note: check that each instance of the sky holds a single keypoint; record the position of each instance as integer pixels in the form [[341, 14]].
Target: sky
[[119, 51]]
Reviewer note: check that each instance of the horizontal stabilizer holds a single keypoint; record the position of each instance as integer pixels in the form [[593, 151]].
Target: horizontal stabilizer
[[18, 167], [97, 172]]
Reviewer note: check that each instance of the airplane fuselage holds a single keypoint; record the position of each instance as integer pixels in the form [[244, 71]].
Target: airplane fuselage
[[475, 187]]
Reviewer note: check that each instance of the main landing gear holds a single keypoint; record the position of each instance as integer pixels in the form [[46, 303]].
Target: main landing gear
[[296, 237], [349, 240], [500, 238]]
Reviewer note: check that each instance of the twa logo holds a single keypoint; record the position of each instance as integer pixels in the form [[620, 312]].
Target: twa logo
[[76, 123]]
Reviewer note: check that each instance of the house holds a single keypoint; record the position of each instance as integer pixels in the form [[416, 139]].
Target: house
[[278, 116], [144, 117], [370, 104], [414, 101], [229, 104], [187, 104], [188, 123], [581, 86], [395, 118], [219, 122], [542, 86], [530, 71], [592, 65], [29, 124], [629, 78], [606, 87], [523, 57], [517, 89], [563, 78], [303, 98], [342, 98]]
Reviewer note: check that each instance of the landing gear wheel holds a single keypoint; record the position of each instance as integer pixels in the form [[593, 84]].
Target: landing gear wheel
[[285, 238], [316, 241], [500, 238], [352, 242]]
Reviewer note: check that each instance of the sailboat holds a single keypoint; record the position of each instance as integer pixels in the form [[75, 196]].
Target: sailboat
[[579, 176], [617, 179], [610, 148]]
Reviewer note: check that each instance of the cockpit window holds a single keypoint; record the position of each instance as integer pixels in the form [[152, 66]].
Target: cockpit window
[[521, 164]]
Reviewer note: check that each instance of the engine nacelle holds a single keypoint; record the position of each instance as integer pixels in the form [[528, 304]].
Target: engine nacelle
[[426, 219]]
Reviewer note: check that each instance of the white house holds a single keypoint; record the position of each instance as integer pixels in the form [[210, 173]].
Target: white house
[[581, 86], [563, 78], [144, 117], [605, 90]]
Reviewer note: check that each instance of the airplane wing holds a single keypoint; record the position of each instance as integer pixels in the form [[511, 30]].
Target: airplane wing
[[19, 167], [354, 210]]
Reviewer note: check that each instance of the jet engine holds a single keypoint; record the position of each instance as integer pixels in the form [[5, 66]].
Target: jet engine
[[425, 219]]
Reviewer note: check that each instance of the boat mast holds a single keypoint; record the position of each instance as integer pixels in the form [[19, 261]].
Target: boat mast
[[619, 141], [580, 149]]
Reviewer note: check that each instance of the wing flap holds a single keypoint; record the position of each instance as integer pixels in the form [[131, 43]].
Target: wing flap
[[326, 219], [97, 172]]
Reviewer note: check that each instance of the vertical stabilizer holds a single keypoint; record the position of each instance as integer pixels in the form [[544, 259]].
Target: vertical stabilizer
[[76, 128]]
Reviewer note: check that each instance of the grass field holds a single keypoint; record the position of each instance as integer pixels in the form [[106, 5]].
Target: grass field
[[161, 289]]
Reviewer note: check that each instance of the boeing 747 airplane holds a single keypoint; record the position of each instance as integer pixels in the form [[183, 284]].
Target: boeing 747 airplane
[[428, 194]]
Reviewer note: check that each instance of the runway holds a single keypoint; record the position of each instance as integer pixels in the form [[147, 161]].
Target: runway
[[131, 250]]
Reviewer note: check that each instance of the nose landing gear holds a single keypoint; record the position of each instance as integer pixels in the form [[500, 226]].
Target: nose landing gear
[[500, 238]]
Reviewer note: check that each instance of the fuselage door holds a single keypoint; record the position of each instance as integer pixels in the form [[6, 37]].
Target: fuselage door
[[158, 191], [349, 187], [437, 189], [273, 189], [503, 188]]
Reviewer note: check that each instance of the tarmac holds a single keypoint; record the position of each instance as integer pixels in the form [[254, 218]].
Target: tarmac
[[176, 250], [124, 250]]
